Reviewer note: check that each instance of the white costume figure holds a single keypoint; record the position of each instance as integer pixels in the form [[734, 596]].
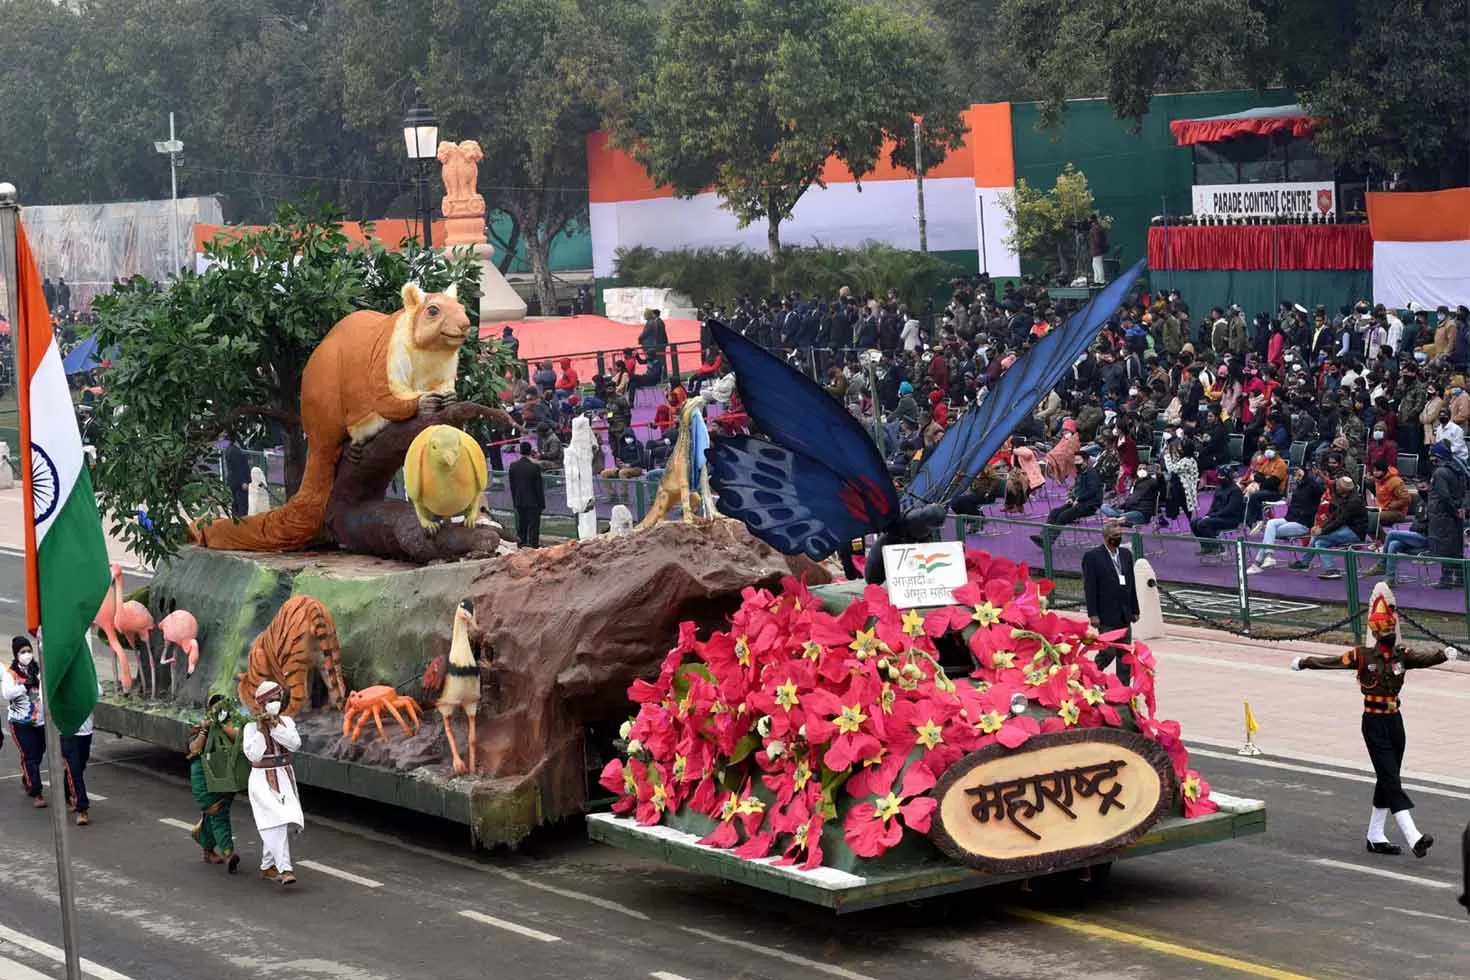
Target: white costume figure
[[260, 498], [722, 390], [268, 742], [7, 474], [577, 467], [621, 521]]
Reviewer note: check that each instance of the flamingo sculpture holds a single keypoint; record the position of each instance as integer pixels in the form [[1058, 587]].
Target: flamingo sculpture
[[181, 629], [105, 620], [133, 621]]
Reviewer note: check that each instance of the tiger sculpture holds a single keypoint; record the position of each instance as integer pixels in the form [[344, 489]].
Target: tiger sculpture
[[300, 639]]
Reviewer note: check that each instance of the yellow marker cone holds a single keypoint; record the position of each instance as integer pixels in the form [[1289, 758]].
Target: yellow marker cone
[[1250, 747]]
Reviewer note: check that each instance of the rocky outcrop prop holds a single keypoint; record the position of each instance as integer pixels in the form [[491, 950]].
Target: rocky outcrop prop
[[562, 632]]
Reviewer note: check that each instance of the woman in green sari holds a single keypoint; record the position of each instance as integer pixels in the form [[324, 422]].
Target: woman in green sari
[[213, 734]]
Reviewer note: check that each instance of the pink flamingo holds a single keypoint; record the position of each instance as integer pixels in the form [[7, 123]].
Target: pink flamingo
[[105, 620], [134, 622], [181, 629]]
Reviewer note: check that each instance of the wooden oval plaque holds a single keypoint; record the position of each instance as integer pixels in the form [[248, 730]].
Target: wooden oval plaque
[[1059, 799]]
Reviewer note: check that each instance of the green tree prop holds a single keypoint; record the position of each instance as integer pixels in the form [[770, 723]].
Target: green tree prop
[[752, 99], [220, 353], [1046, 226]]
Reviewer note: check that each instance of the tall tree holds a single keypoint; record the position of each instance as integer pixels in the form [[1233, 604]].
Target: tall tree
[[523, 77], [1390, 78], [752, 98]]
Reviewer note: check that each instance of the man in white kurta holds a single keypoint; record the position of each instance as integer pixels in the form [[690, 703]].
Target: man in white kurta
[[577, 468], [268, 741]]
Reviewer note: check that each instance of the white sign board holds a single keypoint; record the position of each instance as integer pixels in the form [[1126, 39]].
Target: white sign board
[[924, 574], [1265, 200]]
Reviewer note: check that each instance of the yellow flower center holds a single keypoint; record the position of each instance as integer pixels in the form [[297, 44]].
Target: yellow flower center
[[660, 798], [930, 734], [1191, 788], [913, 623], [1069, 712], [803, 774], [887, 699], [850, 719], [750, 804], [887, 808], [865, 642], [1094, 695], [742, 652], [786, 695], [681, 765], [811, 650], [1002, 659], [727, 812], [986, 614], [630, 785], [992, 722]]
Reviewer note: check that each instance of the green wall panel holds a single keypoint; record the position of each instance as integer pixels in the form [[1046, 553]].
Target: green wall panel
[[1133, 176], [1260, 291]]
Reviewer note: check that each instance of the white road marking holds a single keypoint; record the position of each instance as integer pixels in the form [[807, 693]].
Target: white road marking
[[56, 955], [344, 875], [657, 975], [11, 970], [1380, 872], [1351, 765], [9, 602], [1312, 770], [779, 954], [171, 822], [519, 930], [1425, 915]]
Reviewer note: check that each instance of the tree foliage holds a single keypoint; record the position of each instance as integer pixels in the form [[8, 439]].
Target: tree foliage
[[721, 275], [523, 77], [220, 353], [1048, 226], [752, 98], [1390, 77]]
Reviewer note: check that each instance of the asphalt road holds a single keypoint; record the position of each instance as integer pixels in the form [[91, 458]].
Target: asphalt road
[[387, 895]]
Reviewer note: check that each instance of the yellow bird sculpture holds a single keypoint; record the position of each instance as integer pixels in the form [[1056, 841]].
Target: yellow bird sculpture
[[444, 474]]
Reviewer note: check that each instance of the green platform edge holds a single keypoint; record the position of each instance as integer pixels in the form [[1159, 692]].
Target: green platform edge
[[938, 877]]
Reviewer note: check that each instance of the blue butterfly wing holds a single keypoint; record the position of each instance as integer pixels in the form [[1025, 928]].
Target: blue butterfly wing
[[833, 473], [791, 502], [959, 457]]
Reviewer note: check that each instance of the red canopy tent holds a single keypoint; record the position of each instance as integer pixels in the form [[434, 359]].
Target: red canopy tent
[[1251, 122], [581, 338]]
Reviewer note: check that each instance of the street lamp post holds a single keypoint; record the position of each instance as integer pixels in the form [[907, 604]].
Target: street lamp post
[[173, 148], [421, 138]]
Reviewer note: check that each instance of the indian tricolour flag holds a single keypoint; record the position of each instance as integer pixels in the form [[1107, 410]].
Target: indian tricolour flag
[[67, 573]]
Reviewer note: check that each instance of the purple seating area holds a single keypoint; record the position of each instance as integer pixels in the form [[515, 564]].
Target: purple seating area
[[1176, 558]]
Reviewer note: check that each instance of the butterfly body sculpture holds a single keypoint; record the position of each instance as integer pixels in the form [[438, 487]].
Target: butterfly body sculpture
[[814, 479]]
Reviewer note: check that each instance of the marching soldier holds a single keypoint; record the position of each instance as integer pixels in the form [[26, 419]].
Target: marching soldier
[[1380, 670]]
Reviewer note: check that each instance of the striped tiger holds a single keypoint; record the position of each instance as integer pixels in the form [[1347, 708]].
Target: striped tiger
[[301, 638]]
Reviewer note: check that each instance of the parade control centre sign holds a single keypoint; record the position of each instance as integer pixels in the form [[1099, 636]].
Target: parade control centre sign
[[924, 574], [1061, 798], [1265, 200]]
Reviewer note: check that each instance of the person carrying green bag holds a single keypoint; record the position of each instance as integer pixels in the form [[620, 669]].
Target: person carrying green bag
[[216, 763]]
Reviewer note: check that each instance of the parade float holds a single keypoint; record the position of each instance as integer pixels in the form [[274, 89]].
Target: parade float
[[375, 613], [937, 730]]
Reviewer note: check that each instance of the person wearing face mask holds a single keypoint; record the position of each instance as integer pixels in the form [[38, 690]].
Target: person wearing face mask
[[1381, 448], [1141, 504], [1265, 484], [269, 739], [1452, 435], [1459, 403], [20, 686], [213, 832], [1084, 501]]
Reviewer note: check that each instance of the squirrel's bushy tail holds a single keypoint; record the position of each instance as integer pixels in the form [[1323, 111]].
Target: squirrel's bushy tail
[[294, 526]]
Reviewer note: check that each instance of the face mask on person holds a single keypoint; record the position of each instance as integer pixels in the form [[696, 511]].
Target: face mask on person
[[1270, 454], [1377, 435], [26, 659], [273, 708]]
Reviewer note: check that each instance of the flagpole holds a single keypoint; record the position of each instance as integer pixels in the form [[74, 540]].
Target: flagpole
[[65, 879]]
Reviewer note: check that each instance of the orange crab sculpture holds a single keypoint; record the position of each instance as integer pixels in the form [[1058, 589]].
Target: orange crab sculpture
[[370, 702]]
